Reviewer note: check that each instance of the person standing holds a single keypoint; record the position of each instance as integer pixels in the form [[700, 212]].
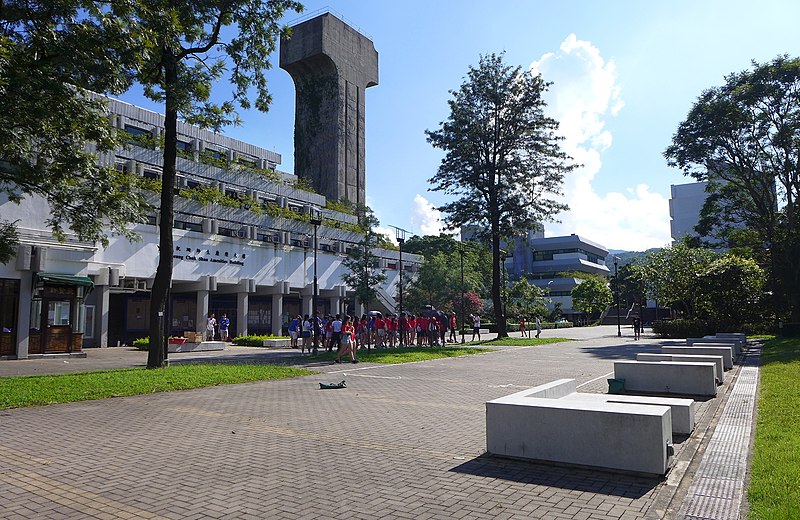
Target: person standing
[[476, 326], [294, 330], [453, 327], [211, 326], [224, 323], [522, 327], [336, 331], [306, 334], [637, 327]]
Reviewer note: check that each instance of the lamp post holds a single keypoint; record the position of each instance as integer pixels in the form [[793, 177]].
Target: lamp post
[[400, 235], [463, 305], [315, 221], [616, 294]]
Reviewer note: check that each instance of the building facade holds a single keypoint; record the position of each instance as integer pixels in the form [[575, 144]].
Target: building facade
[[685, 203], [251, 257], [543, 260]]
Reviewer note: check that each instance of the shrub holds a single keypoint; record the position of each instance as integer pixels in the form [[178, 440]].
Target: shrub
[[141, 343], [684, 328], [254, 340]]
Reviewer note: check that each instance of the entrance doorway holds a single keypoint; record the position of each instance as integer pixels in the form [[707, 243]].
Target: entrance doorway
[[57, 313]]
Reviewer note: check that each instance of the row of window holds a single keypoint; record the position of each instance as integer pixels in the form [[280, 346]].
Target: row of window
[[539, 256]]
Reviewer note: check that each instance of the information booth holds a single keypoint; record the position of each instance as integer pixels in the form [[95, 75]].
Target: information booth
[[57, 313]]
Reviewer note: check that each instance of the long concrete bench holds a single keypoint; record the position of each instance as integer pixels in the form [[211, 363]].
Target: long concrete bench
[[736, 344], [667, 377], [719, 373], [530, 425], [735, 349], [701, 350], [681, 409]]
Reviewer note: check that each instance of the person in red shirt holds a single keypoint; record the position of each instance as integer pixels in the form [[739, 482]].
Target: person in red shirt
[[380, 331], [348, 341], [453, 327], [412, 329], [422, 330]]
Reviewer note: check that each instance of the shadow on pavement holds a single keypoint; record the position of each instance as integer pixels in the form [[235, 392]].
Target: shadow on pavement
[[561, 476]]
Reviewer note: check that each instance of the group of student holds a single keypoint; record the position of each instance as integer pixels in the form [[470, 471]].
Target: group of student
[[390, 331]]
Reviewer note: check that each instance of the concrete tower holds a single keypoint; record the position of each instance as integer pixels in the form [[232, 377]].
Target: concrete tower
[[331, 65]]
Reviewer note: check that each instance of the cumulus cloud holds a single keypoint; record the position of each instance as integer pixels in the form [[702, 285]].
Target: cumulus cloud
[[425, 218], [585, 92]]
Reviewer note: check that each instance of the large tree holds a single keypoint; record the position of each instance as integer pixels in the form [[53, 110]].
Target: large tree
[[744, 138], [182, 50], [503, 163], [592, 295], [52, 128]]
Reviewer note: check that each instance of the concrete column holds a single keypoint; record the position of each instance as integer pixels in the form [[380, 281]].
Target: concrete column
[[360, 309], [24, 318], [308, 305], [277, 314], [335, 305], [101, 315], [202, 312], [243, 301]]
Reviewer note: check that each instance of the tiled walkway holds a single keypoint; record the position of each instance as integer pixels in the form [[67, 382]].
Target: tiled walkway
[[401, 441]]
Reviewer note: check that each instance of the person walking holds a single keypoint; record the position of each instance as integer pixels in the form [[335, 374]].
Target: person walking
[[522, 328], [347, 344], [211, 327], [224, 324], [294, 331], [637, 327], [538, 326]]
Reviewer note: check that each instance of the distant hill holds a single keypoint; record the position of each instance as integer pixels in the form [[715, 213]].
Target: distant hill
[[625, 257]]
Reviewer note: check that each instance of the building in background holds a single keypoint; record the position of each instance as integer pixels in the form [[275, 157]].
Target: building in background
[[685, 203]]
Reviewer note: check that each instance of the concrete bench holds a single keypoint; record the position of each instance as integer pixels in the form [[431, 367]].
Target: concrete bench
[[736, 335], [719, 373], [629, 437], [737, 345], [703, 350], [681, 409], [667, 377]]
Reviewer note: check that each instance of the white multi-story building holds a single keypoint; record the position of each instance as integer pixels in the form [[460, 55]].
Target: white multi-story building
[[685, 203], [543, 260], [255, 261]]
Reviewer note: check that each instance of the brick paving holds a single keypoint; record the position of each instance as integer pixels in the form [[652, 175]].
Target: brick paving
[[401, 441]]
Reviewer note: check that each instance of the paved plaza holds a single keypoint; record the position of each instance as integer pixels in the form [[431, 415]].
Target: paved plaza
[[401, 441]]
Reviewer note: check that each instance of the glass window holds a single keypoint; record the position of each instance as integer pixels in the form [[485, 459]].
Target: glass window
[[88, 322]]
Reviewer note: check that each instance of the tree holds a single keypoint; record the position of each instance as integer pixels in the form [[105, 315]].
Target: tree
[[671, 274], [592, 295], [365, 276], [743, 138], [503, 162], [52, 128], [732, 289], [526, 299], [182, 49]]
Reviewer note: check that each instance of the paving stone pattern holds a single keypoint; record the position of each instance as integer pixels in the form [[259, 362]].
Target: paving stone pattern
[[401, 441]]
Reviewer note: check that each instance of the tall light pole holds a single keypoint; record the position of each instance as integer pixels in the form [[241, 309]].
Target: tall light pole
[[400, 235], [616, 294], [315, 221]]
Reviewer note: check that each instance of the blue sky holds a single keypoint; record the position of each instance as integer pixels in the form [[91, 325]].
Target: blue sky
[[625, 75]]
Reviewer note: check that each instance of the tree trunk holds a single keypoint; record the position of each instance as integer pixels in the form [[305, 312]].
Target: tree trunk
[[497, 290], [159, 296]]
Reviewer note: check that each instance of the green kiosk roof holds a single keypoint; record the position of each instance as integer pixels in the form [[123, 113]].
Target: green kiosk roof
[[64, 279]]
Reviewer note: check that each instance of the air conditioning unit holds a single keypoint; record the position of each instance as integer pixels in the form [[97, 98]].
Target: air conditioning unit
[[39, 259], [24, 256], [243, 232], [141, 285], [180, 181]]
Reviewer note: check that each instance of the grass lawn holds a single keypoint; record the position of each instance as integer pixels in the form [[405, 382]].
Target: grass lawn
[[16, 392], [406, 354], [519, 342], [774, 491]]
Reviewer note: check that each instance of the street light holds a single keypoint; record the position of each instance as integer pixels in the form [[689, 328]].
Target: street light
[[616, 293], [400, 235], [315, 221]]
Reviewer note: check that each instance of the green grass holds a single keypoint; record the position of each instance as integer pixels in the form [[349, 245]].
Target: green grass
[[17, 392], [774, 491], [519, 342], [407, 354]]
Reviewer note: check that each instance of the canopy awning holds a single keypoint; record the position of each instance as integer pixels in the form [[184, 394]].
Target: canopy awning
[[64, 279]]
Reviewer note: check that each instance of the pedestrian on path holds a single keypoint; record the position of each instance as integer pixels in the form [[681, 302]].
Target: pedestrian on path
[[211, 326], [224, 324], [476, 326], [347, 342], [538, 326]]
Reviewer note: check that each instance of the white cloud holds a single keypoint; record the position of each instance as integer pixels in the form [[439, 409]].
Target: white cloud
[[425, 218], [584, 93], [390, 234]]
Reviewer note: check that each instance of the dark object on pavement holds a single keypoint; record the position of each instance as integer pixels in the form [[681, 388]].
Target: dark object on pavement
[[331, 386]]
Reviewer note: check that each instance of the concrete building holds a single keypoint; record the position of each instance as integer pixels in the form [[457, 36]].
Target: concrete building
[[332, 65], [685, 203], [542, 260], [252, 257]]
